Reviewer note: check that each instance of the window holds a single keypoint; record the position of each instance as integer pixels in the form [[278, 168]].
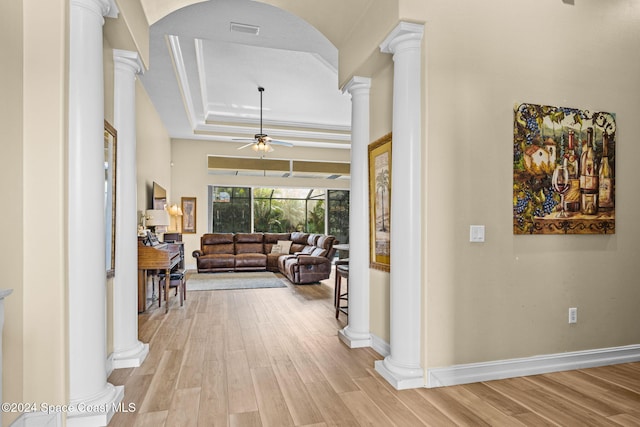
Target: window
[[284, 210], [338, 202], [280, 210], [231, 210]]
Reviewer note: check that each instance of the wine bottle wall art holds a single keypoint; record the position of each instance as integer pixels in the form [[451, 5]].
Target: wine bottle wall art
[[563, 170]]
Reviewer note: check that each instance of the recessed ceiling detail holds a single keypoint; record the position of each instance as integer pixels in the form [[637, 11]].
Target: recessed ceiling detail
[[207, 60]]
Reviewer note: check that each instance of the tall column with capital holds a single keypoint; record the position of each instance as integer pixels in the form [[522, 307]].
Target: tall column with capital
[[402, 367], [356, 333], [128, 352], [88, 386]]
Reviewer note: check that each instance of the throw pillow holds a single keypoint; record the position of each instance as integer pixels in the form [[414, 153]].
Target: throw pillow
[[276, 249], [285, 246]]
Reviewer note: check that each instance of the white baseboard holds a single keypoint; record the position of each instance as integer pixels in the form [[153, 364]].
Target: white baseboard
[[380, 346], [38, 419], [501, 369]]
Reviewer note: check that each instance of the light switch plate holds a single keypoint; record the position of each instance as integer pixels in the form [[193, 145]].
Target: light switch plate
[[476, 233]]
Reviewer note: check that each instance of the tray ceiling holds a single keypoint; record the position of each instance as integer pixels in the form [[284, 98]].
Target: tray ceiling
[[206, 63]]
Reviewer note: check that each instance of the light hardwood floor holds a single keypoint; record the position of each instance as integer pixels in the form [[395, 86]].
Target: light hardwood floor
[[271, 357]]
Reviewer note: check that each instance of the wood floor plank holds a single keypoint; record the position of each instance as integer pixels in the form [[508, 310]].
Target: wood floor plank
[[245, 419], [332, 371], [547, 404], [625, 400], [233, 336], [392, 407], [575, 395], [215, 343], [626, 420], [365, 410], [300, 403], [150, 419], [160, 393], [190, 375], [490, 414], [452, 408], [303, 360], [214, 404], [183, 411], [617, 374], [496, 399], [273, 407], [257, 355], [240, 388], [423, 409], [330, 405]]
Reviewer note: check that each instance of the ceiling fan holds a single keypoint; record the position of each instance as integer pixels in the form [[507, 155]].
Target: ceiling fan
[[261, 141]]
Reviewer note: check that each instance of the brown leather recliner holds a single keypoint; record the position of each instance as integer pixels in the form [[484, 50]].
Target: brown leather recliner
[[216, 253], [309, 267]]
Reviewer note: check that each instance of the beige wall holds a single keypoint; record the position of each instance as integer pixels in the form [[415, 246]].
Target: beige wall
[[191, 178], [381, 122], [12, 178], [509, 297], [153, 149], [36, 133]]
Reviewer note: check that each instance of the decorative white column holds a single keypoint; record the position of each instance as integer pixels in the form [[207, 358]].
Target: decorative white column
[[128, 352], [356, 333], [402, 367], [89, 393]]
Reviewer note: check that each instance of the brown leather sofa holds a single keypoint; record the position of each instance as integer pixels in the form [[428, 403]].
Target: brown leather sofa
[[307, 261]]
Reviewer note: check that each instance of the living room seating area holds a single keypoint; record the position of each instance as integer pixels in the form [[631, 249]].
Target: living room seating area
[[302, 257]]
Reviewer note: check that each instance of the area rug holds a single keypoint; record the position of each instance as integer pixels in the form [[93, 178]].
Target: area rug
[[241, 280]]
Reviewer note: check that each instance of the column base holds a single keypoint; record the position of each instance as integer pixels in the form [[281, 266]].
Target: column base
[[400, 377], [96, 411], [354, 339], [130, 358]]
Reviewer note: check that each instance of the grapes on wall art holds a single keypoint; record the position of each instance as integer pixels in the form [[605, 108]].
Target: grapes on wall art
[[563, 170]]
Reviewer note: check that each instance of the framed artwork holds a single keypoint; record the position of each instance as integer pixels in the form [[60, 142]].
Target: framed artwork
[[188, 205], [110, 144], [563, 170], [380, 203]]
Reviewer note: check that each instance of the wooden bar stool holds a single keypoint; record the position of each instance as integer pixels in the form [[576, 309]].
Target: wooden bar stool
[[342, 271]]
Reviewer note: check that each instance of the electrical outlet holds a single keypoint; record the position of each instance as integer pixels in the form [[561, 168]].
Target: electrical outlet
[[573, 315]]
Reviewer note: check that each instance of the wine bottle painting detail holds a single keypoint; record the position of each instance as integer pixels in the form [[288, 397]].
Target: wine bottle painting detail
[[563, 170]]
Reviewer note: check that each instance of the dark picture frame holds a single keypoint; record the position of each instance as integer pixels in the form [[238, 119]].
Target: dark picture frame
[[188, 206]]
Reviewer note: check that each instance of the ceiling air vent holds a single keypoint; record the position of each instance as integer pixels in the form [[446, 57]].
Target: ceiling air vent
[[245, 28]]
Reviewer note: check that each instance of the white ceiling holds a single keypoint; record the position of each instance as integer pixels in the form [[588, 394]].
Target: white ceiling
[[203, 78]]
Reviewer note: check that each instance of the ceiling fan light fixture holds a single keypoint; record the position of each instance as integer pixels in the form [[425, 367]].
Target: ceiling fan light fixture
[[244, 28]]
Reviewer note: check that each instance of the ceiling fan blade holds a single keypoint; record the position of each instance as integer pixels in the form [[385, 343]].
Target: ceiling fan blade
[[283, 143], [246, 145], [243, 139]]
